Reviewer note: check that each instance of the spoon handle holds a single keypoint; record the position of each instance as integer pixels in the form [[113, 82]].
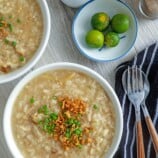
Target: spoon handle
[[151, 128], [139, 134]]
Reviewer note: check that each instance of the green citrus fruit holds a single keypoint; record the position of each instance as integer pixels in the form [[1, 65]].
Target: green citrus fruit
[[100, 21], [95, 39], [120, 23], [112, 39]]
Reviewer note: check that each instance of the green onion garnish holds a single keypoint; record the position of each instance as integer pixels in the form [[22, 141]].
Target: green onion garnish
[[68, 133], [44, 109], [1, 24], [14, 43], [22, 59], [6, 41], [77, 123], [95, 106], [1, 18], [78, 131], [54, 98], [18, 20], [10, 16], [32, 100], [47, 125], [60, 103], [10, 27], [70, 121], [50, 128], [80, 146], [53, 116]]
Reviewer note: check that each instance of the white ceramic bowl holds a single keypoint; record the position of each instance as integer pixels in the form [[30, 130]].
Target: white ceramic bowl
[[9, 106], [82, 24], [46, 33], [74, 3]]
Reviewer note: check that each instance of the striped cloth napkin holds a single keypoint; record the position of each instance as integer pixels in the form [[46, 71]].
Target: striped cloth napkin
[[147, 60]]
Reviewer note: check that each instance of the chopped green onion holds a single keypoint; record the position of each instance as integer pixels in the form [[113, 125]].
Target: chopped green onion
[[77, 123], [70, 121], [51, 128], [18, 20], [79, 115], [40, 123], [44, 109], [54, 98], [32, 100], [10, 27], [95, 106], [68, 133], [80, 146], [1, 18], [1, 24], [22, 59], [47, 126], [14, 43], [10, 16], [6, 41], [54, 116], [78, 131], [60, 103], [47, 120]]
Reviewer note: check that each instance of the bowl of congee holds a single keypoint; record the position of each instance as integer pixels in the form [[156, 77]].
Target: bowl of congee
[[63, 110], [24, 34]]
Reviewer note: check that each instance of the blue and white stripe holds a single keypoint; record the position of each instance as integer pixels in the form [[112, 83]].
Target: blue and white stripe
[[147, 60]]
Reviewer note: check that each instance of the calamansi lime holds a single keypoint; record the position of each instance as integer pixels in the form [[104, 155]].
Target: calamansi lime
[[112, 39], [95, 39], [100, 21], [120, 23]]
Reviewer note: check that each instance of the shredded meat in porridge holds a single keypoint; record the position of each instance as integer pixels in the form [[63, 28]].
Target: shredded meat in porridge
[[63, 113]]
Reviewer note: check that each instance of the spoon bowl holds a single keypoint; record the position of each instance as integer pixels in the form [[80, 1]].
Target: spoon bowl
[[150, 125], [146, 85]]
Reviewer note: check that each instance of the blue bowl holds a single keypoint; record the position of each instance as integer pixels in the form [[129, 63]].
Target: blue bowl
[[82, 24]]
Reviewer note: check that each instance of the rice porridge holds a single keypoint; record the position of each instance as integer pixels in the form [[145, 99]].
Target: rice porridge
[[63, 114], [21, 29]]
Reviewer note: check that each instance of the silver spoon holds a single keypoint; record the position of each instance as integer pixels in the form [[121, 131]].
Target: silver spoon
[[148, 120]]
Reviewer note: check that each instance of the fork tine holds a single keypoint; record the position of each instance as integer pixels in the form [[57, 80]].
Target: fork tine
[[141, 85], [129, 88], [137, 78], [134, 81]]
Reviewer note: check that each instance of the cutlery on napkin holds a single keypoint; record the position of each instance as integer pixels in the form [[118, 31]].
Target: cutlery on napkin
[[147, 60]]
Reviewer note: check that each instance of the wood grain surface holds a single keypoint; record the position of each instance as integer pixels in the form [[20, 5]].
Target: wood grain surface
[[61, 48]]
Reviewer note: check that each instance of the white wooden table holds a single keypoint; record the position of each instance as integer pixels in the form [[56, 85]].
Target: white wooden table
[[61, 48]]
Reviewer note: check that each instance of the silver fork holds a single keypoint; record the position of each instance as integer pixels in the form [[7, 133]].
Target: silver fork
[[133, 86]]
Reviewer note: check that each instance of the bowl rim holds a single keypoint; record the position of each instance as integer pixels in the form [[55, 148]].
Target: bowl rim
[[4, 78], [7, 129], [103, 60]]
